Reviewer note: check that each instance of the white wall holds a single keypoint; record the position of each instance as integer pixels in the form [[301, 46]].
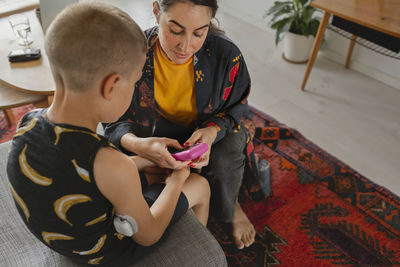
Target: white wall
[[250, 11], [382, 68], [49, 10]]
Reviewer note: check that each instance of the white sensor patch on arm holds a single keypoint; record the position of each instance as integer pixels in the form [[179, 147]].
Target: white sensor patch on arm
[[125, 225]]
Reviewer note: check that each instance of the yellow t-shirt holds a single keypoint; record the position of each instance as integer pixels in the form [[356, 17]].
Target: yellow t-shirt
[[174, 89]]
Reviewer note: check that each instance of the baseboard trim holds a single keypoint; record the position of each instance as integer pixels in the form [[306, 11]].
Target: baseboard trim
[[362, 68]]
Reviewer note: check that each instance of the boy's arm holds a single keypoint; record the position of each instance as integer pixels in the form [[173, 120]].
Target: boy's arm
[[141, 163], [118, 180]]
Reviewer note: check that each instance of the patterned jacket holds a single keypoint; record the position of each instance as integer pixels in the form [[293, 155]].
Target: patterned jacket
[[221, 84], [221, 81]]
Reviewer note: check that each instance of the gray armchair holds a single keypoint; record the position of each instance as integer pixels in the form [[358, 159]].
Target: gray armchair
[[188, 244]]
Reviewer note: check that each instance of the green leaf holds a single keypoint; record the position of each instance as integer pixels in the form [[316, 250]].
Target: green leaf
[[310, 28], [296, 27], [280, 23], [277, 7], [314, 25], [296, 16], [303, 2], [279, 14], [304, 31], [307, 14], [281, 26]]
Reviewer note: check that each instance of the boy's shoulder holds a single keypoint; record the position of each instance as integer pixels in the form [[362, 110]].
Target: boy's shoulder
[[28, 122], [33, 114], [40, 134]]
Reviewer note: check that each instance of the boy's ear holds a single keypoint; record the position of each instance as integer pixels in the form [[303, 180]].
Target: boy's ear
[[156, 10], [110, 84]]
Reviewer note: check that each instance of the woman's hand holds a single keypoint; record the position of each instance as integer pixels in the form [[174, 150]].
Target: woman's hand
[[204, 135], [154, 149]]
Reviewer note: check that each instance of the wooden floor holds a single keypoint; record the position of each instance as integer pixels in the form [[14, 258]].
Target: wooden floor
[[353, 117]]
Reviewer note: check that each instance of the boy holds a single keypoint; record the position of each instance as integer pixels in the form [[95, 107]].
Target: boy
[[68, 182]]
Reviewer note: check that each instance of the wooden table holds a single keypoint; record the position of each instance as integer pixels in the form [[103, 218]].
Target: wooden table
[[32, 77], [9, 7], [380, 15]]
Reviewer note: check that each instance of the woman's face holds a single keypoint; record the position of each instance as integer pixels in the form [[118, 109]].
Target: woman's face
[[182, 30]]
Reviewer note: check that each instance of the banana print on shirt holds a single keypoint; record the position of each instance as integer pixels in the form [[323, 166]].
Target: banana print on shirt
[[95, 249], [96, 260], [98, 219], [119, 236], [48, 236], [59, 130], [63, 204], [29, 172], [84, 174], [26, 128], [21, 203]]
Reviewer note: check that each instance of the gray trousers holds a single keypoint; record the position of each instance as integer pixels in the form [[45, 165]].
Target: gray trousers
[[225, 174]]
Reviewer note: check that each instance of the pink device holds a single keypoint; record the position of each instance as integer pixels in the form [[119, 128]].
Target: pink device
[[192, 152]]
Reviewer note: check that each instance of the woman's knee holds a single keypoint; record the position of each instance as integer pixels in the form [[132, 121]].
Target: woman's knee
[[232, 144], [228, 154]]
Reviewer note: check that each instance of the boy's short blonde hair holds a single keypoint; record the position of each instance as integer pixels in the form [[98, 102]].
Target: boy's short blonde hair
[[89, 40]]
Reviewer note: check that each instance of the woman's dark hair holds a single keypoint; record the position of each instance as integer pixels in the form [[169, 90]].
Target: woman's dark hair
[[212, 4]]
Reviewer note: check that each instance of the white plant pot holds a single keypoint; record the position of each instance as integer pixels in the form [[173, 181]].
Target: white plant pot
[[296, 47]]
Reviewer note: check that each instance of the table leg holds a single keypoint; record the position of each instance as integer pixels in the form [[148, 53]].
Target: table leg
[[316, 45], [50, 99], [350, 51], [42, 103], [9, 116]]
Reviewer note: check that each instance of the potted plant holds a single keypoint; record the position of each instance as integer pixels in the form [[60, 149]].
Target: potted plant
[[295, 19]]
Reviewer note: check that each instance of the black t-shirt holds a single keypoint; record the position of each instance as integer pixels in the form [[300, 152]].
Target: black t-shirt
[[50, 169]]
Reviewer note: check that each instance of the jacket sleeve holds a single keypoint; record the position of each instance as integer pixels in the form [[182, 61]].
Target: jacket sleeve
[[130, 122], [233, 96], [115, 130]]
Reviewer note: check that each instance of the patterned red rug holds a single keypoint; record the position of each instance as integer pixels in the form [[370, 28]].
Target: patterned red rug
[[8, 131], [321, 212]]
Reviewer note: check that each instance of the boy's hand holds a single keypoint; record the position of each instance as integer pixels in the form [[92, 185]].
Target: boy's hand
[[179, 175], [204, 135], [156, 174], [156, 170]]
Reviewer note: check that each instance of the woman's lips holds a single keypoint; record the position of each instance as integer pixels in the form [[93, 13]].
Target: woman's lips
[[181, 56]]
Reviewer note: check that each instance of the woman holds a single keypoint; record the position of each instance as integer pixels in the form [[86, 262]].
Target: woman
[[194, 89]]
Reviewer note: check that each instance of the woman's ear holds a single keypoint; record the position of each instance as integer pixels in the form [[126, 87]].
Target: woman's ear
[[156, 10], [110, 84]]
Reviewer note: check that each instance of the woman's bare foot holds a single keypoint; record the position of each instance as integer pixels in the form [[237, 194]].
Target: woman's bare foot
[[243, 231]]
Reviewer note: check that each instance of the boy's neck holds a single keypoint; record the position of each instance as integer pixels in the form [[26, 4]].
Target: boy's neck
[[74, 109]]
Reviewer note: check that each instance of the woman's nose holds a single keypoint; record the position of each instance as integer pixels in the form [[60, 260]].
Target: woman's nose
[[185, 44]]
